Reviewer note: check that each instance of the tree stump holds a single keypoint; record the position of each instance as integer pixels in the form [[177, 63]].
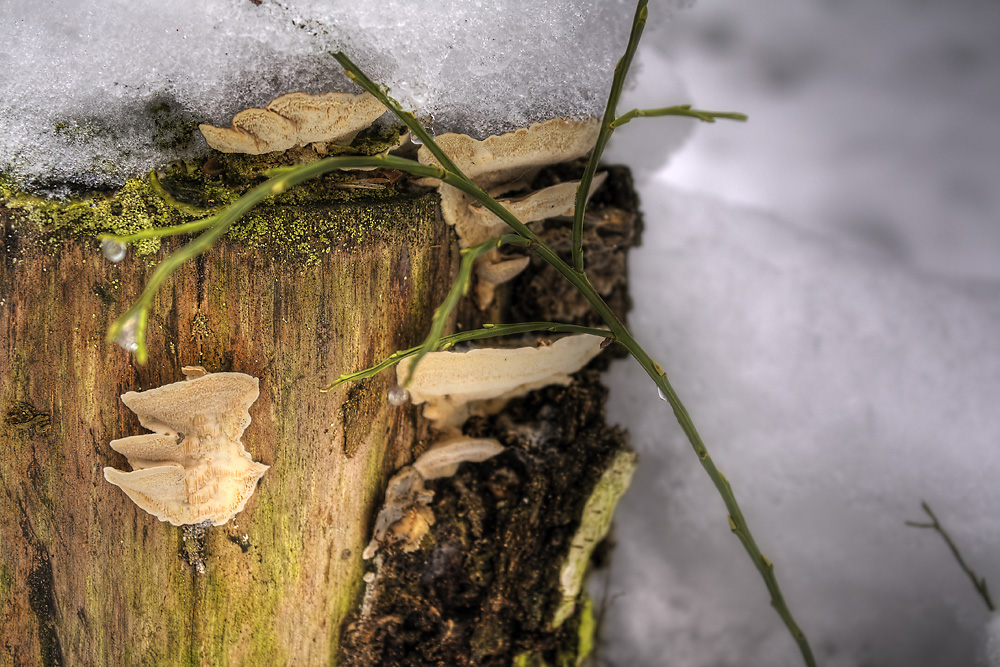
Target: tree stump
[[300, 292]]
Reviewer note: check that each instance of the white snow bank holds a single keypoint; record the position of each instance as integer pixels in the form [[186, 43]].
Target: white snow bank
[[96, 91], [875, 119], [835, 389]]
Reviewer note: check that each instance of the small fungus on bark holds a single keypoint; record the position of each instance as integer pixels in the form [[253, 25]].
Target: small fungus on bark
[[296, 119], [193, 468], [405, 516], [503, 163], [457, 385]]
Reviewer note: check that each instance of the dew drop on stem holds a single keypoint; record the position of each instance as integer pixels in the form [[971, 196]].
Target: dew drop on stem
[[128, 337], [398, 396], [659, 392], [113, 251]]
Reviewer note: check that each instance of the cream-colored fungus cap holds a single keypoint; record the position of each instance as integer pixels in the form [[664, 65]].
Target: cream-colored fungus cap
[[455, 385], [193, 468], [503, 158], [295, 119]]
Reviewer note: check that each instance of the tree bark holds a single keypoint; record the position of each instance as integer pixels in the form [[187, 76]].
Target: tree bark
[[87, 578]]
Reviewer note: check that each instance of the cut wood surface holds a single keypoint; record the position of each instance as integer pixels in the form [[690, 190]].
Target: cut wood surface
[[88, 578]]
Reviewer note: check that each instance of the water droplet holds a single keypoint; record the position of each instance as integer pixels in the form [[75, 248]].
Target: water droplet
[[398, 396], [113, 250], [662, 396], [415, 140], [128, 337]]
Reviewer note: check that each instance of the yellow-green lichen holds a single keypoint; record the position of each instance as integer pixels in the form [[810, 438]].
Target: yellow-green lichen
[[586, 632], [595, 521], [527, 659]]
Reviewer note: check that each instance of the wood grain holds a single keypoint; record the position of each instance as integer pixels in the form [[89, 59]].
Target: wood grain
[[86, 577]]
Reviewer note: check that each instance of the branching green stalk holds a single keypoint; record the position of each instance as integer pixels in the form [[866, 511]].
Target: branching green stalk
[[450, 174], [160, 232], [977, 581], [129, 330], [446, 342], [621, 69], [678, 110], [354, 73], [459, 288], [578, 278]]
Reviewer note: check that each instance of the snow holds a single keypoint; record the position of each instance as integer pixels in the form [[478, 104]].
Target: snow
[[835, 389], [97, 84], [834, 332], [993, 640], [833, 328]]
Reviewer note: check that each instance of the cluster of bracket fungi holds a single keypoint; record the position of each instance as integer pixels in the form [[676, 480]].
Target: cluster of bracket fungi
[[193, 468]]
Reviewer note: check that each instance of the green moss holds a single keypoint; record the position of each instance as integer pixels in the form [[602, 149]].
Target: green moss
[[336, 210], [586, 632]]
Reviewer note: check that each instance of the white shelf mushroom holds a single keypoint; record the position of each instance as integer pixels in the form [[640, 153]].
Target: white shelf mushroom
[[296, 119], [193, 468]]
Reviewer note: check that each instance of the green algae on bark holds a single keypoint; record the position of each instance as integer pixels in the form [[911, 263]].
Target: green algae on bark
[[186, 191], [281, 579]]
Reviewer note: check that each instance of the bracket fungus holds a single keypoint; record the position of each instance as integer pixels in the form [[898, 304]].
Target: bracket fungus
[[456, 385], [295, 119], [498, 161], [503, 163], [405, 516], [480, 224], [193, 468]]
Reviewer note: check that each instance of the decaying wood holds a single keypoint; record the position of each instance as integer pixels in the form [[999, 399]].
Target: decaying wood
[[484, 589], [87, 578]]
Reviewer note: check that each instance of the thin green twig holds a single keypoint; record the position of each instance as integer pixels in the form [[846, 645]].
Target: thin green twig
[[459, 288], [487, 331], [678, 110], [354, 73], [977, 581], [129, 330], [581, 282], [160, 232], [621, 70], [452, 175]]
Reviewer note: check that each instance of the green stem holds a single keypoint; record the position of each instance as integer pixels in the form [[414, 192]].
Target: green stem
[[621, 70], [133, 321], [977, 581], [678, 110], [459, 288], [578, 278], [159, 232], [354, 73]]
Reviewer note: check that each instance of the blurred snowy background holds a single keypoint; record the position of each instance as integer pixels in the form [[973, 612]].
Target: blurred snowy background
[[821, 283]]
